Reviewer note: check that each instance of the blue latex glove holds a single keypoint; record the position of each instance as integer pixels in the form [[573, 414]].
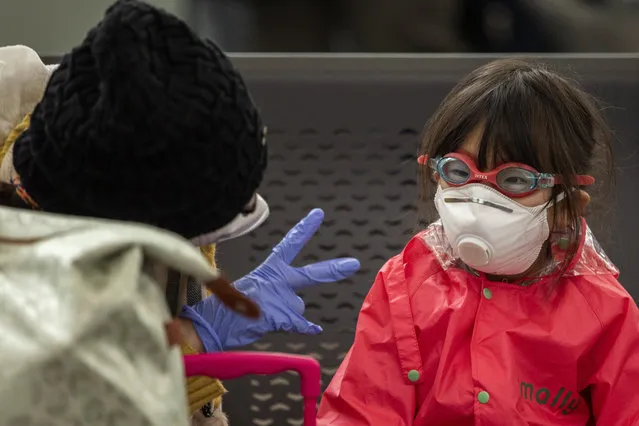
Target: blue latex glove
[[272, 285]]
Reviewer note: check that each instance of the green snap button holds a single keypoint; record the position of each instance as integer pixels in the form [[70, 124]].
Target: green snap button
[[483, 397], [488, 294], [413, 375]]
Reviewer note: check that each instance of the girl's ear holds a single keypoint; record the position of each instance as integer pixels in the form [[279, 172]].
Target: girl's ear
[[582, 198], [563, 218]]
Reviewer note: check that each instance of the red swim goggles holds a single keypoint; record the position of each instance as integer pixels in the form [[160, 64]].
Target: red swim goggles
[[511, 179]]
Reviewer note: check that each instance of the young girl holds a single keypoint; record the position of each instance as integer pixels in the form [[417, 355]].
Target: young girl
[[505, 311]]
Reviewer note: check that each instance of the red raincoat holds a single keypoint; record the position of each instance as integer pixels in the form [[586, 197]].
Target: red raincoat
[[436, 345]]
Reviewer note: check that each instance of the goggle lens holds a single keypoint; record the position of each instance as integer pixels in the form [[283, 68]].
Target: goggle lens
[[516, 180], [454, 171]]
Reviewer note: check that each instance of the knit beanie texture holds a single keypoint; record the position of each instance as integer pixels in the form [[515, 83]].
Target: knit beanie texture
[[146, 122]]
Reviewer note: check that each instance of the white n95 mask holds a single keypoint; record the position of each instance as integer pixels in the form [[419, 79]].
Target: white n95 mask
[[489, 231]]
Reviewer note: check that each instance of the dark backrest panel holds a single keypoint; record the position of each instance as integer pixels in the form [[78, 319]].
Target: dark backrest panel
[[343, 136]]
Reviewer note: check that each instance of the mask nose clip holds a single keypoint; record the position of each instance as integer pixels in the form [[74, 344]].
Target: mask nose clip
[[478, 201], [474, 251]]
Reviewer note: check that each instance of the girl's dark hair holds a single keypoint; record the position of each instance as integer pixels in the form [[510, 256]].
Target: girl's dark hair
[[529, 114], [9, 197]]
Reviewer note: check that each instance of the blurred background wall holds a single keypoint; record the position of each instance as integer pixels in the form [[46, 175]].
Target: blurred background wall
[[53, 26], [422, 25]]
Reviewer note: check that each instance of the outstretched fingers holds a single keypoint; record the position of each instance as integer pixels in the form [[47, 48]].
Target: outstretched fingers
[[298, 236]]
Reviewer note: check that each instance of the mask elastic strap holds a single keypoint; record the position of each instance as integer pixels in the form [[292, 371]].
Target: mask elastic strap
[[558, 199]]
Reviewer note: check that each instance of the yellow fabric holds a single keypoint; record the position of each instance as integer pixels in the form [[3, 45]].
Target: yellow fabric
[[11, 138], [202, 390], [209, 253]]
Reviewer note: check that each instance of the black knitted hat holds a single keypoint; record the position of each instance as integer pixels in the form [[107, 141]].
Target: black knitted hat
[[144, 122]]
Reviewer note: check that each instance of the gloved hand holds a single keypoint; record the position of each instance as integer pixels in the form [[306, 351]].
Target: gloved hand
[[272, 285]]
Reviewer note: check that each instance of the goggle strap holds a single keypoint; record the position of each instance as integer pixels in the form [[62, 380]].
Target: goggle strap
[[582, 180], [423, 160], [545, 180]]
